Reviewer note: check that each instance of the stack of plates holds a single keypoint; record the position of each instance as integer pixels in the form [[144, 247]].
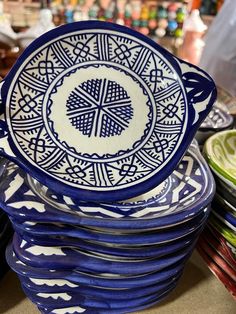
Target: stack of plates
[[217, 120], [218, 242], [5, 236], [120, 256], [107, 203]]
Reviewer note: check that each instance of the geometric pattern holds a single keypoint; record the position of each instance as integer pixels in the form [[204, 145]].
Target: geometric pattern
[[215, 119], [187, 186], [99, 108], [93, 113]]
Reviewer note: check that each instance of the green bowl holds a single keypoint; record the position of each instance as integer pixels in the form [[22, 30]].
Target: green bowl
[[220, 152]]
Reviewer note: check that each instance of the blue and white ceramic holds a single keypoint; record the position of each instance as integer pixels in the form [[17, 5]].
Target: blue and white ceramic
[[98, 280], [131, 252], [217, 120], [226, 191], [67, 299], [67, 258], [60, 285], [88, 310], [144, 238], [179, 198], [97, 111]]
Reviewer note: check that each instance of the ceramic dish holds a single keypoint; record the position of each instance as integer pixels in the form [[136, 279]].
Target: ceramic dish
[[218, 272], [182, 196], [145, 238], [216, 121], [78, 309], [220, 151], [67, 299], [221, 262], [225, 217], [224, 203], [58, 286], [132, 252], [226, 232], [231, 248], [226, 192], [62, 258], [97, 111], [99, 280], [227, 246], [219, 246]]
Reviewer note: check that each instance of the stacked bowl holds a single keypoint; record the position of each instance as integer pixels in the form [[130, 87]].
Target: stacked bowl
[[217, 244], [105, 192], [107, 257]]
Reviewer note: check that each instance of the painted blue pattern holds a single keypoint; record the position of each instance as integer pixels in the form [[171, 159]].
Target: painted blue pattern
[[99, 108], [181, 196]]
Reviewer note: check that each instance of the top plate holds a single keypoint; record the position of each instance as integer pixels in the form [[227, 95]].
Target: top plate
[[100, 111]]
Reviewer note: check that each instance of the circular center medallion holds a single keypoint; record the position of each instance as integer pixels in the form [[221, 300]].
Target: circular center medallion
[[99, 111], [99, 108]]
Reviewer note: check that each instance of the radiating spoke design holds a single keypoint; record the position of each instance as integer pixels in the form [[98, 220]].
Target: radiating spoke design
[[99, 108]]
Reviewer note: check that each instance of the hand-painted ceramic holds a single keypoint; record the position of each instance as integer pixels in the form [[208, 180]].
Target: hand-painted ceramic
[[225, 204], [98, 111], [221, 262], [220, 151], [145, 238], [60, 285], [218, 272], [66, 258], [67, 299], [86, 310], [182, 196], [228, 219], [219, 245], [98, 280], [224, 230], [216, 121], [226, 192], [132, 252], [231, 248]]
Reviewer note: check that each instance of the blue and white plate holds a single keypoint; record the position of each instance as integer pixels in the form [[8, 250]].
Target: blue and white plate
[[88, 310], [99, 112], [144, 238], [225, 191], [131, 252], [60, 285], [179, 198], [217, 120], [106, 281], [222, 201], [68, 299], [66, 258]]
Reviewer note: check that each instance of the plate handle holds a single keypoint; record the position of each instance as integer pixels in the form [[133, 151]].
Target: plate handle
[[5, 149], [200, 89]]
